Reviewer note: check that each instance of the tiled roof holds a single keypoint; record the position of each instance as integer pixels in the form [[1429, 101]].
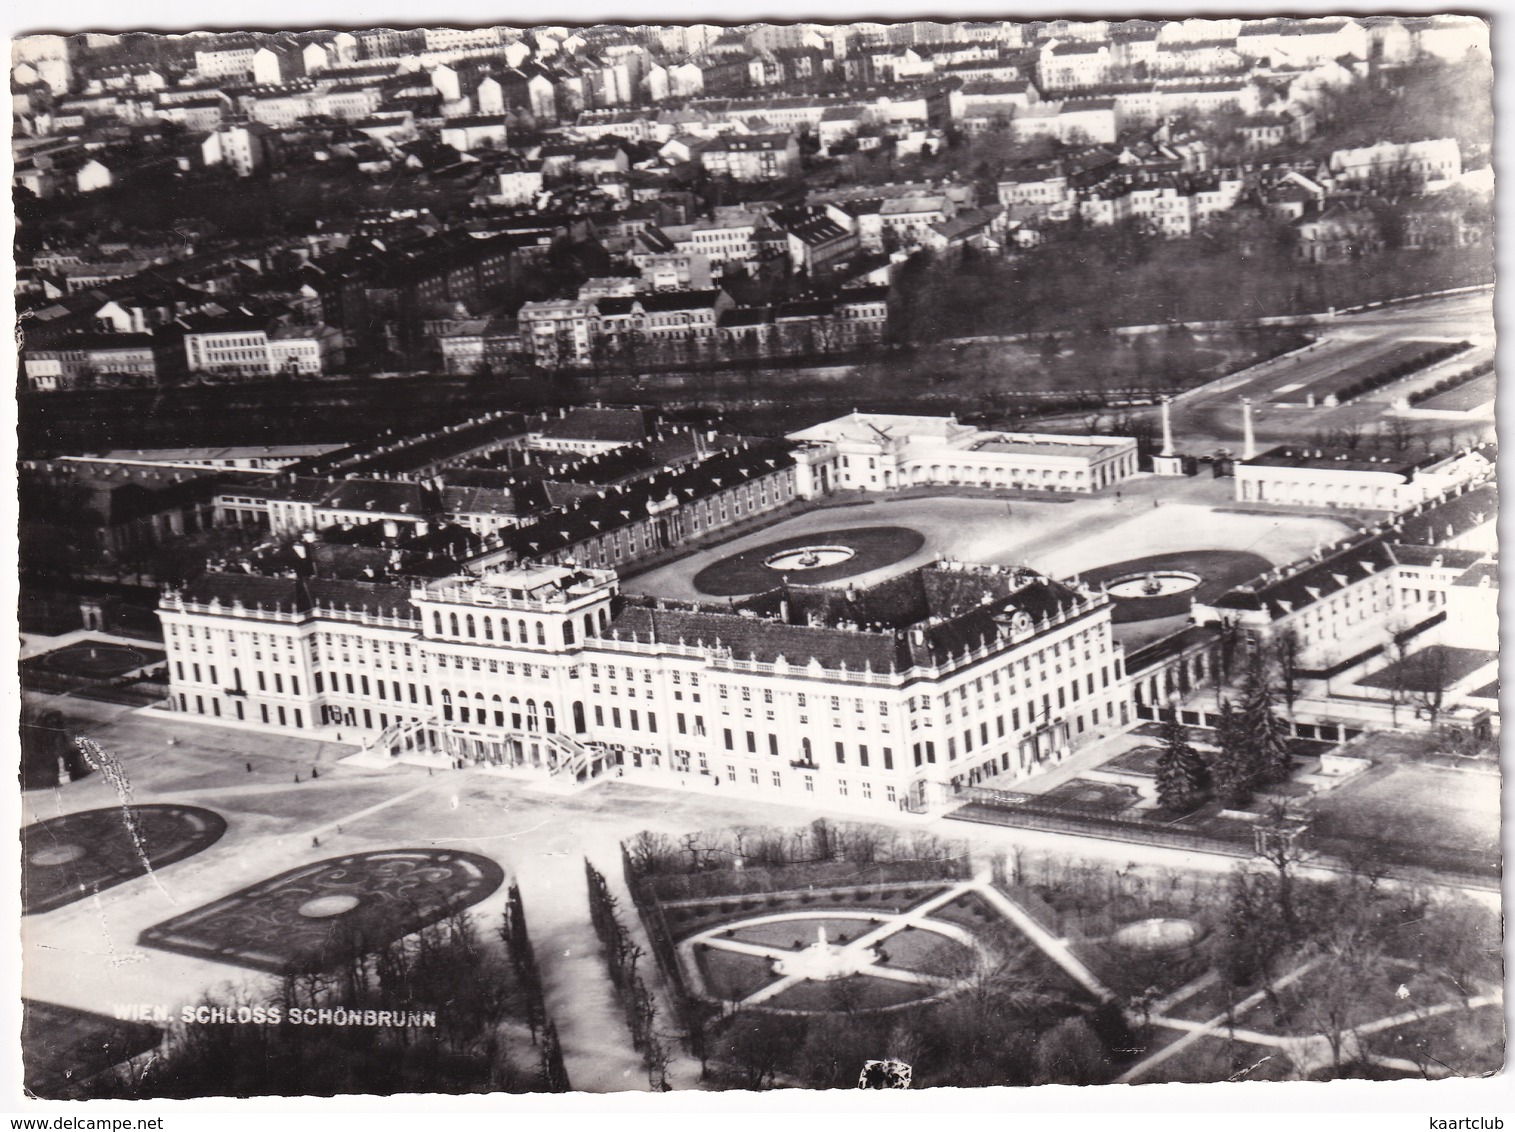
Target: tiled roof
[[617, 507], [1338, 459], [479, 501], [1480, 574], [284, 594], [393, 497], [626, 425], [371, 597], [925, 617], [1409, 539]]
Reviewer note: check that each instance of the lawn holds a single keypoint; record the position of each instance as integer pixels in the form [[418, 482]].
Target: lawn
[[686, 919], [1084, 795], [1219, 1059], [1434, 668], [311, 918], [1218, 571], [1469, 1043], [1414, 813], [73, 856], [797, 934], [872, 548], [1209, 1002], [855, 992], [731, 976], [1479, 391], [95, 660], [927, 952], [970, 911], [1138, 760]]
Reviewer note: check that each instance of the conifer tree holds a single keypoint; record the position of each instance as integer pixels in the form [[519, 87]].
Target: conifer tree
[[1182, 778], [1231, 768], [1267, 742]]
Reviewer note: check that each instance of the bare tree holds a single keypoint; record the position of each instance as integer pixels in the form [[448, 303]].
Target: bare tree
[[1434, 675], [1340, 994]]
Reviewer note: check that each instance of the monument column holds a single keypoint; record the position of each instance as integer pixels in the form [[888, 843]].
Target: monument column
[[1248, 441], [1167, 462]]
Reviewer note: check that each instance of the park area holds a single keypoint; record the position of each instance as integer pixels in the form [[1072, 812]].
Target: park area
[[117, 670], [1093, 974], [1416, 815], [1463, 398], [995, 378]]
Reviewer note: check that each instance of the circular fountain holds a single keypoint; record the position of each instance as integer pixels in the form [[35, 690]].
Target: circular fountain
[[808, 558], [1157, 935], [1153, 583]]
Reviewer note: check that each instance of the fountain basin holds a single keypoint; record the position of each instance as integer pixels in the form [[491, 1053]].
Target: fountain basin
[[1155, 583], [808, 558]]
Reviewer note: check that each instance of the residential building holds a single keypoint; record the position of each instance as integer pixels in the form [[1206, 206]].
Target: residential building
[[755, 157]]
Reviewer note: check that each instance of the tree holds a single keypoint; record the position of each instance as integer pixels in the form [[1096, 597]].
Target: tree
[[1265, 742], [1070, 1053], [1286, 651], [1231, 768], [1224, 661], [1251, 935], [1182, 779], [1340, 995], [1432, 677], [759, 1045], [1278, 842]]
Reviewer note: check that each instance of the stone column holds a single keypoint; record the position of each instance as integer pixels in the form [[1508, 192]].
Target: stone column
[[1249, 442], [1167, 428]]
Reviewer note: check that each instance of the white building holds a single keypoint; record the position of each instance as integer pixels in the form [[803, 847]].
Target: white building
[[725, 239], [517, 188], [884, 451], [241, 148], [1332, 478], [1344, 604], [892, 697], [1432, 164]]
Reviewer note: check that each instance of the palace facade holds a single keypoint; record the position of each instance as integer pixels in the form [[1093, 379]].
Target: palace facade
[[894, 696]]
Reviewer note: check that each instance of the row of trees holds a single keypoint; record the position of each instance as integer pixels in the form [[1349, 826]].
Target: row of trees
[[523, 961], [1252, 752], [621, 956], [1451, 381], [748, 859]]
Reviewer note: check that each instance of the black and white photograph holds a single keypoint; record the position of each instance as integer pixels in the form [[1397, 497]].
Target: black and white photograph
[[851, 553]]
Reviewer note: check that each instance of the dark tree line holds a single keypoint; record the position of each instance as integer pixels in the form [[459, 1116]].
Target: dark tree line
[[523, 962], [621, 956]]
